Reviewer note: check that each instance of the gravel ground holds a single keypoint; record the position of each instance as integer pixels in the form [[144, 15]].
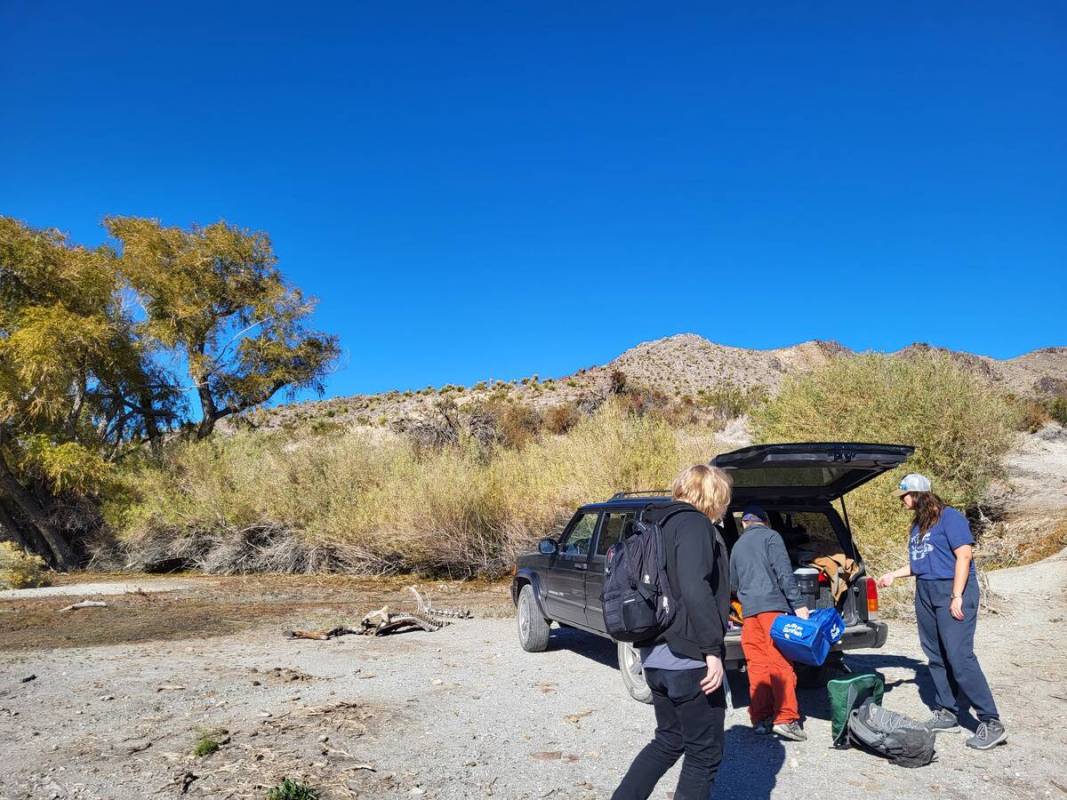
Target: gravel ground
[[465, 713], [108, 588]]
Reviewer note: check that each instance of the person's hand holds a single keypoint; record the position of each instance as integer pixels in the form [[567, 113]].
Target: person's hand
[[802, 612], [886, 580], [713, 680], [955, 608]]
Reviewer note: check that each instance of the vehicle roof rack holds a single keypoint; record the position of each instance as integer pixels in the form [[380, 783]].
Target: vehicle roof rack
[[644, 492]]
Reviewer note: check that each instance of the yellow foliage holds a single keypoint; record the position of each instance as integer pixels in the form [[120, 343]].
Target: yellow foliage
[[379, 496], [19, 569], [68, 465]]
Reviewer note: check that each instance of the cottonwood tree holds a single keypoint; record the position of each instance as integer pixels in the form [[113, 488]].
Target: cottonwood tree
[[215, 298], [98, 352], [75, 383]]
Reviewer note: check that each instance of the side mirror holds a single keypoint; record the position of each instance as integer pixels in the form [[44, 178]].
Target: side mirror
[[547, 547]]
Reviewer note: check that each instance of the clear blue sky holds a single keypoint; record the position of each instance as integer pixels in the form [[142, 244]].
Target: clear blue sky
[[496, 189]]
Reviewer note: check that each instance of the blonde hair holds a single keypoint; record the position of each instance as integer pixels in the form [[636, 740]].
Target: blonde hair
[[706, 488]]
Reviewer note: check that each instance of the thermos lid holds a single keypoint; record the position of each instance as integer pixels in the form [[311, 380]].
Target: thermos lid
[[805, 571]]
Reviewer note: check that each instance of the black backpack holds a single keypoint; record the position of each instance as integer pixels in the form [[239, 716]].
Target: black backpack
[[637, 598], [901, 739]]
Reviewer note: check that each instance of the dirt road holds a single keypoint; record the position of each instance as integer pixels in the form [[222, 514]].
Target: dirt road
[[461, 713]]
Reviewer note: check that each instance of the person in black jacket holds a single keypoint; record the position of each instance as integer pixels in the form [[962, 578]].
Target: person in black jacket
[[683, 667]]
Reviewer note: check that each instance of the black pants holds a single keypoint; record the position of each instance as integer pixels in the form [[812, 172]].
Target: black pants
[[687, 721], [949, 646]]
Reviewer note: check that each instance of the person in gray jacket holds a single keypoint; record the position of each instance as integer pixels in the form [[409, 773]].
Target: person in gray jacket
[[762, 577]]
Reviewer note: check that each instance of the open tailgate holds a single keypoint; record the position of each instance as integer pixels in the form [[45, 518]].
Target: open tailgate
[[808, 471]]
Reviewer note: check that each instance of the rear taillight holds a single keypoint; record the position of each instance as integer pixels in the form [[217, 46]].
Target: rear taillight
[[872, 598]]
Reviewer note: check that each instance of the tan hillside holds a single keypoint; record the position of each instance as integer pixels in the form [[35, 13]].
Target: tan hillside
[[688, 363], [678, 366]]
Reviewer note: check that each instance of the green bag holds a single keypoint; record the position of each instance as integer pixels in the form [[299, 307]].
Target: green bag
[[847, 694]]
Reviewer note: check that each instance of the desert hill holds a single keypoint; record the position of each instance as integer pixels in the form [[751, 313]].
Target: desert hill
[[678, 366]]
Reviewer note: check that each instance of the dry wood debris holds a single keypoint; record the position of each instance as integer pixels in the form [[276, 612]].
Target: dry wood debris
[[84, 604], [382, 621]]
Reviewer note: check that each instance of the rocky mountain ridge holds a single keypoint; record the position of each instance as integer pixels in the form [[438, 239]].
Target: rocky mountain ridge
[[677, 366]]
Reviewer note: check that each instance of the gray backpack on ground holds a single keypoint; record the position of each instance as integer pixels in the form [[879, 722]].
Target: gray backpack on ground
[[901, 739]]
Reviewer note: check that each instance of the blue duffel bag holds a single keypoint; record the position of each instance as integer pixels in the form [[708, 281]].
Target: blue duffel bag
[[808, 641]]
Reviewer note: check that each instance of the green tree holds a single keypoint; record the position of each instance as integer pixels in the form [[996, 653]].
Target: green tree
[[98, 351], [74, 384], [215, 296]]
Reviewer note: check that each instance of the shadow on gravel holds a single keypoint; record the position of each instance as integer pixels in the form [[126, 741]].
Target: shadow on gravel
[[876, 662], [595, 648], [750, 765]]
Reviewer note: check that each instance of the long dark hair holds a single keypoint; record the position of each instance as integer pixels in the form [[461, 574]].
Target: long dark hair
[[928, 508]]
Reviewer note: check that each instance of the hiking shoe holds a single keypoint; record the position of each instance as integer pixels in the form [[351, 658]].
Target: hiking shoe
[[791, 731], [943, 721], [762, 727], [989, 734]]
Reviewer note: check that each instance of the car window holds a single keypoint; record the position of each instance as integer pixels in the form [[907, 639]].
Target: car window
[[809, 529], [615, 527], [580, 536], [801, 529]]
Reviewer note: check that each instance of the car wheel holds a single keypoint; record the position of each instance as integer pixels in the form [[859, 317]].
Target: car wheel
[[633, 674], [533, 628]]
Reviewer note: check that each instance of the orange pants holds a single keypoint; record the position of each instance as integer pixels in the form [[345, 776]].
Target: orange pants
[[772, 683]]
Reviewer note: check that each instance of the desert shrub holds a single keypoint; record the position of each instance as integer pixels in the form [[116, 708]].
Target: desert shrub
[[19, 569], [1032, 414], [209, 741], [372, 501], [727, 401], [561, 418], [960, 427], [289, 789], [517, 424], [1057, 409]]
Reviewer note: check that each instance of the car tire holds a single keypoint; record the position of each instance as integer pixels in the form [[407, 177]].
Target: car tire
[[633, 675], [533, 627]]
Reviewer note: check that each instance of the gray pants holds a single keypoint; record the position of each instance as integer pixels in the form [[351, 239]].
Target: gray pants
[[949, 646]]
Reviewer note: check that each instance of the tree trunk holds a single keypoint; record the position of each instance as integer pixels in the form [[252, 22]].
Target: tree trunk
[[208, 409], [9, 529], [25, 536], [62, 555]]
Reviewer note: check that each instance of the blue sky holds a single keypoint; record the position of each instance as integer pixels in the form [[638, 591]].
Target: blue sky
[[478, 190]]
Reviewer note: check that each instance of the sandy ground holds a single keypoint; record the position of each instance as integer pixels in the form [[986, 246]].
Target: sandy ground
[[1037, 471], [101, 589], [461, 713]]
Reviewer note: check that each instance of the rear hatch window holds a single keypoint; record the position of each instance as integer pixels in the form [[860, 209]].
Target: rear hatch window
[[813, 471]]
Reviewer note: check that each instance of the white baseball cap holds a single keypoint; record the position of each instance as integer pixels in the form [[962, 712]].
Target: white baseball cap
[[913, 482]]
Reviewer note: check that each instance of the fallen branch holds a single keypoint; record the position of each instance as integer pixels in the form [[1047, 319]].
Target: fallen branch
[[340, 630], [84, 604]]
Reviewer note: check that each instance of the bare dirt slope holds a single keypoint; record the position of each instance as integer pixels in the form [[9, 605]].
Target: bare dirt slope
[[1032, 502], [465, 713]]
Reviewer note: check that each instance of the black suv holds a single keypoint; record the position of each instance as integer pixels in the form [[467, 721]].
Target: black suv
[[796, 483]]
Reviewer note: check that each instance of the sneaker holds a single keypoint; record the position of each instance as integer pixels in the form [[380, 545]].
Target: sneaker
[[791, 731], [943, 721], [989, 734], [762, 727]]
